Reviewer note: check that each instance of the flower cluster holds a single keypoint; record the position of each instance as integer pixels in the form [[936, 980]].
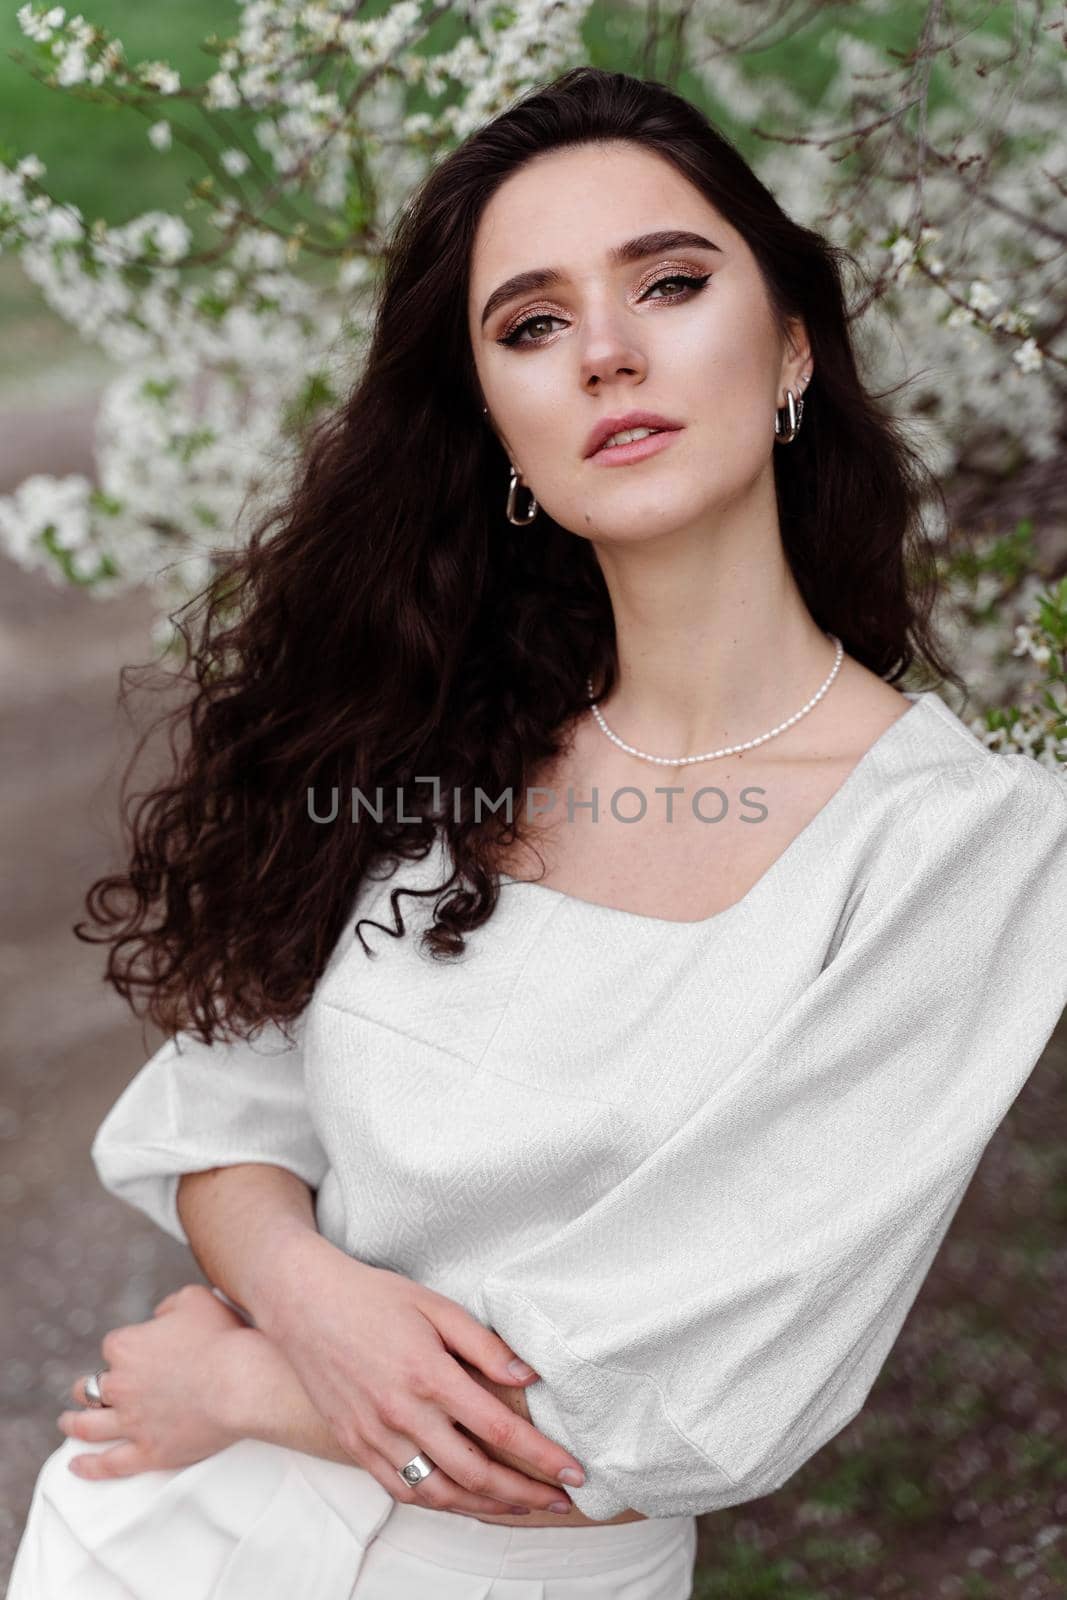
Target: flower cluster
[[1000, 620], [226, 346]]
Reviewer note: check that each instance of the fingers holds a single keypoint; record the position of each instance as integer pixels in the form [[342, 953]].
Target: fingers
[[491, 1420], [465, 1477], [94, 1425], [481, 1346], [437, 1442], [438, 1491], [121, 1461], [464, 1463], [190, 1296]]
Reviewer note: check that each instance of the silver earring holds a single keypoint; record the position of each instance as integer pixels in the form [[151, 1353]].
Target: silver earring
[[795, 410], [520, 522], [512, 492]]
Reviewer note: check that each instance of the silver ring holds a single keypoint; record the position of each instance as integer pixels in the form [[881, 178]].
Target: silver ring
[[416, 1469], [92, 1388]]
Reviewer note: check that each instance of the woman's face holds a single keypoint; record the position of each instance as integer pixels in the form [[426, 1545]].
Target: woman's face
[[616, 336]]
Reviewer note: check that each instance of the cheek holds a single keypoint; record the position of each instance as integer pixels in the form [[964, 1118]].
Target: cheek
[[542, 437], [729, 361], [734, 414]]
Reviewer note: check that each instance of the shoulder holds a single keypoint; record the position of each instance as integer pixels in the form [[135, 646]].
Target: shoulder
[[982, 806], [959, 758], [959, 836], [949, 802]]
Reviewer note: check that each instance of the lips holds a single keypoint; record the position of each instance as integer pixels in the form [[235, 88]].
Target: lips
[[607, 426]]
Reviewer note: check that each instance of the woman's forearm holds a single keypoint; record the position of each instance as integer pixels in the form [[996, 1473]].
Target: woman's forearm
[[243, 1223], [261, 1397]]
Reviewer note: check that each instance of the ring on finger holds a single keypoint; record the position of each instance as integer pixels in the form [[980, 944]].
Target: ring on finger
[[91, 1385], [415, 1470], [441, 1490]]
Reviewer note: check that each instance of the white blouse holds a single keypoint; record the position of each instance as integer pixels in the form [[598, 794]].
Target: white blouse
[[694, 1172]]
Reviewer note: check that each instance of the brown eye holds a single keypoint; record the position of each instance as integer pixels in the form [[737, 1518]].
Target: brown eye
[[678, 277], [513, 337], [690, 285]]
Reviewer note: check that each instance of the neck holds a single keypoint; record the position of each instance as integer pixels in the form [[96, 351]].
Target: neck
[[715, 643]]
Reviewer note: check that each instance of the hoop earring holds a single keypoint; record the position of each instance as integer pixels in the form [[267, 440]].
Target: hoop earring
[[796, 411], [512, 492]]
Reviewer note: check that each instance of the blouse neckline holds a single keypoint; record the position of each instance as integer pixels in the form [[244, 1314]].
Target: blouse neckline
[[778, 866]]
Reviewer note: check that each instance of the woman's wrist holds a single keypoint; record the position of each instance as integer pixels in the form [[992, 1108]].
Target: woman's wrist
[[240, 1391], [278, 1281], [243, 1223], [259, 1396]]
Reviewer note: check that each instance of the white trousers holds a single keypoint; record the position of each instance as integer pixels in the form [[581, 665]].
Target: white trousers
[[262, 1522]]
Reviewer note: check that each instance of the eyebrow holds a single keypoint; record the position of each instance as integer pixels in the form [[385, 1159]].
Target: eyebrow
[[646, 244]]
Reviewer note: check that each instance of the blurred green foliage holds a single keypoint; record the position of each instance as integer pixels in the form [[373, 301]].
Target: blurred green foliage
[[98, 155]]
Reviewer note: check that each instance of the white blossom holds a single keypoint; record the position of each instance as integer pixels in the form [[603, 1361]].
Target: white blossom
[[62, 225], [158, 75], [259, 249], [981, 297], [172, 238], [902, 251], [222, 93], [159, 135], [39, 26], [1028, 357], [73, 67], [43, 506]]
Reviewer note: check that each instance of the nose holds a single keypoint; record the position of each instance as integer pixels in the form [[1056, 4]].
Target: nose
[[610, 348]]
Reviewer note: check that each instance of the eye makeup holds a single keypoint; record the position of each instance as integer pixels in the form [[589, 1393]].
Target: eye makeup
[[693, 282]]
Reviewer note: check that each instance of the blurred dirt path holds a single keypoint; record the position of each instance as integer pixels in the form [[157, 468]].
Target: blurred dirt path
[[74, 1262]]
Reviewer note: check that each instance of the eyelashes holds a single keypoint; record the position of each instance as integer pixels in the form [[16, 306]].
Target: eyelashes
[[693, 285]]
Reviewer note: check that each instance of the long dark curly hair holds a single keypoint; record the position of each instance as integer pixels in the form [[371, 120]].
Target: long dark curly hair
[[387, 621]]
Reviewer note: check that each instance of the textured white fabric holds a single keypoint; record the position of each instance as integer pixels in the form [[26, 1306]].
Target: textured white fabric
[[695, 1173], [248, 1523], [262, 1522]]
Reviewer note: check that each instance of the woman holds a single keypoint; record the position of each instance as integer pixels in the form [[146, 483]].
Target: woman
[[683, 1123]]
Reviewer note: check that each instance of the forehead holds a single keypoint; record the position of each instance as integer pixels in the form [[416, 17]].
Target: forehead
[[568, 207]]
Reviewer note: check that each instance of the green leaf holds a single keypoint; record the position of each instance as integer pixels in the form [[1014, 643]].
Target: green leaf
[[105, 503], [158, 389], [315, 393]]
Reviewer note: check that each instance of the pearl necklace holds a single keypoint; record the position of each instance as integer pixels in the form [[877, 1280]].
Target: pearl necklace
[[730, 749]]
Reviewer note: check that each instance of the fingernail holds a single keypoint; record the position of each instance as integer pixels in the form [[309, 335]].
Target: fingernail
[[561, 1507], [519, 1369], [573, 1476]]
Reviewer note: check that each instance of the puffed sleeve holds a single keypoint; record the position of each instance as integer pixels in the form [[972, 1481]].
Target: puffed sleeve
[[193, 1106], [720, 1314]]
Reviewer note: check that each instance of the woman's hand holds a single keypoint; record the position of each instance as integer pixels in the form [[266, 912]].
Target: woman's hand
[[381, 1358], [162, 1390]]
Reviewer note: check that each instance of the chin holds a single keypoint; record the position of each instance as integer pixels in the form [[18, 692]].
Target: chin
[[659, 522]]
